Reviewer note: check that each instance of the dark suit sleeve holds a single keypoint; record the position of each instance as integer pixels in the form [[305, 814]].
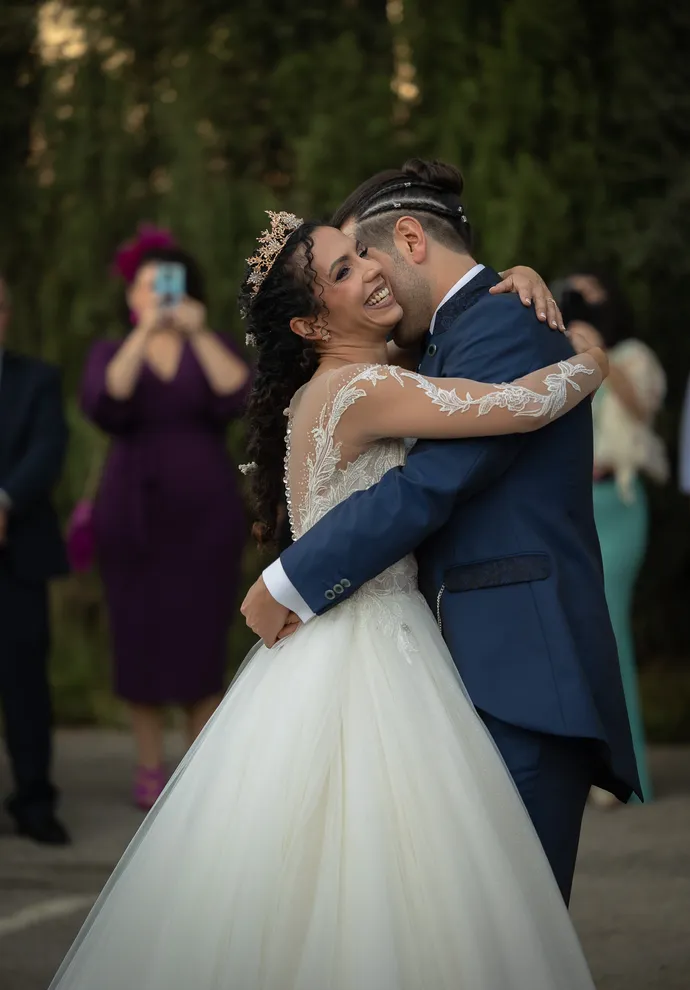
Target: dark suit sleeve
[[37, 472], [373, 529]]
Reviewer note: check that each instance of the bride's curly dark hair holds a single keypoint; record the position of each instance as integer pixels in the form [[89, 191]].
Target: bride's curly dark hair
[[285, 363]]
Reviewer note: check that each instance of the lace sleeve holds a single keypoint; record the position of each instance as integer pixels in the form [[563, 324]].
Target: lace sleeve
[[392, 402]]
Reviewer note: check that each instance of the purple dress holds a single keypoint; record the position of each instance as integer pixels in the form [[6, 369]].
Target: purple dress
[[170, 529]]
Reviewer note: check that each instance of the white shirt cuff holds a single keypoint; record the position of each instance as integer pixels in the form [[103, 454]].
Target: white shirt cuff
[[283, 590]]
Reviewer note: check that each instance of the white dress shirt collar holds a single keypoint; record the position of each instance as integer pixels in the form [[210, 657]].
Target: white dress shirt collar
[[467, 277]]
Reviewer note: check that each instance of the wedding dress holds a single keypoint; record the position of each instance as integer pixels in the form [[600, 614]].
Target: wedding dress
[[345, 821]]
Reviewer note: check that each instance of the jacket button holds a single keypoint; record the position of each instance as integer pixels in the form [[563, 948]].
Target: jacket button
[[431, 349], [345, 583], [330, 595], [338, 588]]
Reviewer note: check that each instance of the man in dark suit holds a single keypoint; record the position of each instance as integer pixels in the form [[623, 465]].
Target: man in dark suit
[[33, 440]]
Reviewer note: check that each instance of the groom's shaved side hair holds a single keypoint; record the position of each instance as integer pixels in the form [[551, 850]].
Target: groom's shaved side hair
[[428, 191]]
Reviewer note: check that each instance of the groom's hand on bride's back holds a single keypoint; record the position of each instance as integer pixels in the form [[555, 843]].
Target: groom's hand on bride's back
[[533, 290], [263, 614]]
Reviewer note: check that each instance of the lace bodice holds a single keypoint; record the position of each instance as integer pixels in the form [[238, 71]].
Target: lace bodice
[[328, 483], [318, 479]]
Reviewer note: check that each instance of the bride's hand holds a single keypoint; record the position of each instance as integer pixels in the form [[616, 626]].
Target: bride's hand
[[263, 614], [291, 626], [532, 289]]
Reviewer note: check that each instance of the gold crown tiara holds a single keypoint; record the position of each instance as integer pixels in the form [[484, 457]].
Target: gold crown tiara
[[271, 243]]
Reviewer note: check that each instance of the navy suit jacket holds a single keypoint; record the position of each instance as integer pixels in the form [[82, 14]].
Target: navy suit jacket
[[33, 441], [503, 529]]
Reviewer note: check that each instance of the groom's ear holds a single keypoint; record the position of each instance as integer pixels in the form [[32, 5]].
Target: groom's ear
[[410, 240]]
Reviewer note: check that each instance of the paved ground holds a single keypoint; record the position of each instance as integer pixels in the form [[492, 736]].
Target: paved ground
[[631, 902]]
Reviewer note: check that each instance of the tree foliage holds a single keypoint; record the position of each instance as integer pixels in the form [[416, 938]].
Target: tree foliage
[[569, 119]]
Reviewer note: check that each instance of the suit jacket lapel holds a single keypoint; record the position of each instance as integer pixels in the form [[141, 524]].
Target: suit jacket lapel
[[464, 299]]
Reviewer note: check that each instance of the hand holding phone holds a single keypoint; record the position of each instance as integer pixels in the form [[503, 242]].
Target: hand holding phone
[[170, 284], [189, 316]]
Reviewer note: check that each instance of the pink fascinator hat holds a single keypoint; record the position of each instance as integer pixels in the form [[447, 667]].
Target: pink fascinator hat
[[148, 238]]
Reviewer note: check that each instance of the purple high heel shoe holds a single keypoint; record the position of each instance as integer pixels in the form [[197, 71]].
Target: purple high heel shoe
[[148, 786]]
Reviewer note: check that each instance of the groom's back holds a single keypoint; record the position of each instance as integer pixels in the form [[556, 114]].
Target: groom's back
[[515, 574]]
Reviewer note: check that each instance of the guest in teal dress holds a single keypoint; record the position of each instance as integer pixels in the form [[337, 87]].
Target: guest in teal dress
[[625, 449]]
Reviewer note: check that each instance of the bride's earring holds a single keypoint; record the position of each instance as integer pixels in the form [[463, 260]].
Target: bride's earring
[[325, 335]]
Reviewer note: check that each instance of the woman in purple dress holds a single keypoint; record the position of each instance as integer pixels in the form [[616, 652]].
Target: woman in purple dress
[[168, 519]]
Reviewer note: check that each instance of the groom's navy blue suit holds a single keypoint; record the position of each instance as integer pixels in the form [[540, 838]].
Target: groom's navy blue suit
[[509, 560]]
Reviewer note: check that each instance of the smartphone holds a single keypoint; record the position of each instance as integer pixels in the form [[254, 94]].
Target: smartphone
[[171, 283]]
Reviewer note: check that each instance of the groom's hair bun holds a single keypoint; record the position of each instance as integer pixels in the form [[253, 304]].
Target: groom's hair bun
[[446, 178], [428, 190]]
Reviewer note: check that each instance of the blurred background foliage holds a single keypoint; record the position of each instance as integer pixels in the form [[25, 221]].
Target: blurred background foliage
[[569, 118]]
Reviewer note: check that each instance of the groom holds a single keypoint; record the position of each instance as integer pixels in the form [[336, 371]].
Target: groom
[[502, 527]]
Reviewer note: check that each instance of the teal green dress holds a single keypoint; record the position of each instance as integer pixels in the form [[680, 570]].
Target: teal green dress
[[622, 529]]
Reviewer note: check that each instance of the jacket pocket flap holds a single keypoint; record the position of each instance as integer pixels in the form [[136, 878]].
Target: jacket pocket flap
[[498, 572]]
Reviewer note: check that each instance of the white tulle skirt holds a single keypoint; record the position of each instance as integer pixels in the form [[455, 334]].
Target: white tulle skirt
[[343, 823]]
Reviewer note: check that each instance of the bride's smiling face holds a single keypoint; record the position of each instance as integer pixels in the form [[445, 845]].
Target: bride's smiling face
[[356, 295]]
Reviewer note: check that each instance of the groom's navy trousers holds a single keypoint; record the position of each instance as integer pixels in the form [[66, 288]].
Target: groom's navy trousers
[[553, 775], [509, 561]]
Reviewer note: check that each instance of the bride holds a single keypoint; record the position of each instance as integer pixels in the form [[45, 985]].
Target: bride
[[345, 821]]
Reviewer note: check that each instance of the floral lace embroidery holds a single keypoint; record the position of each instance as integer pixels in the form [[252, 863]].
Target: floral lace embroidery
[[514, 398], [328, 483]]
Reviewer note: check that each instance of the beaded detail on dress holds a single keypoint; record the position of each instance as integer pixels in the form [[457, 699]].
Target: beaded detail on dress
[[324, 483], [327, 484]]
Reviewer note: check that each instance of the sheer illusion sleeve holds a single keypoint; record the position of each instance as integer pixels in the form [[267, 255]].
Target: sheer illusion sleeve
[[387, 401]]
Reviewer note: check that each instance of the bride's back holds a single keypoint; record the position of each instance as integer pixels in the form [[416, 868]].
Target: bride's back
[[326, 461]]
